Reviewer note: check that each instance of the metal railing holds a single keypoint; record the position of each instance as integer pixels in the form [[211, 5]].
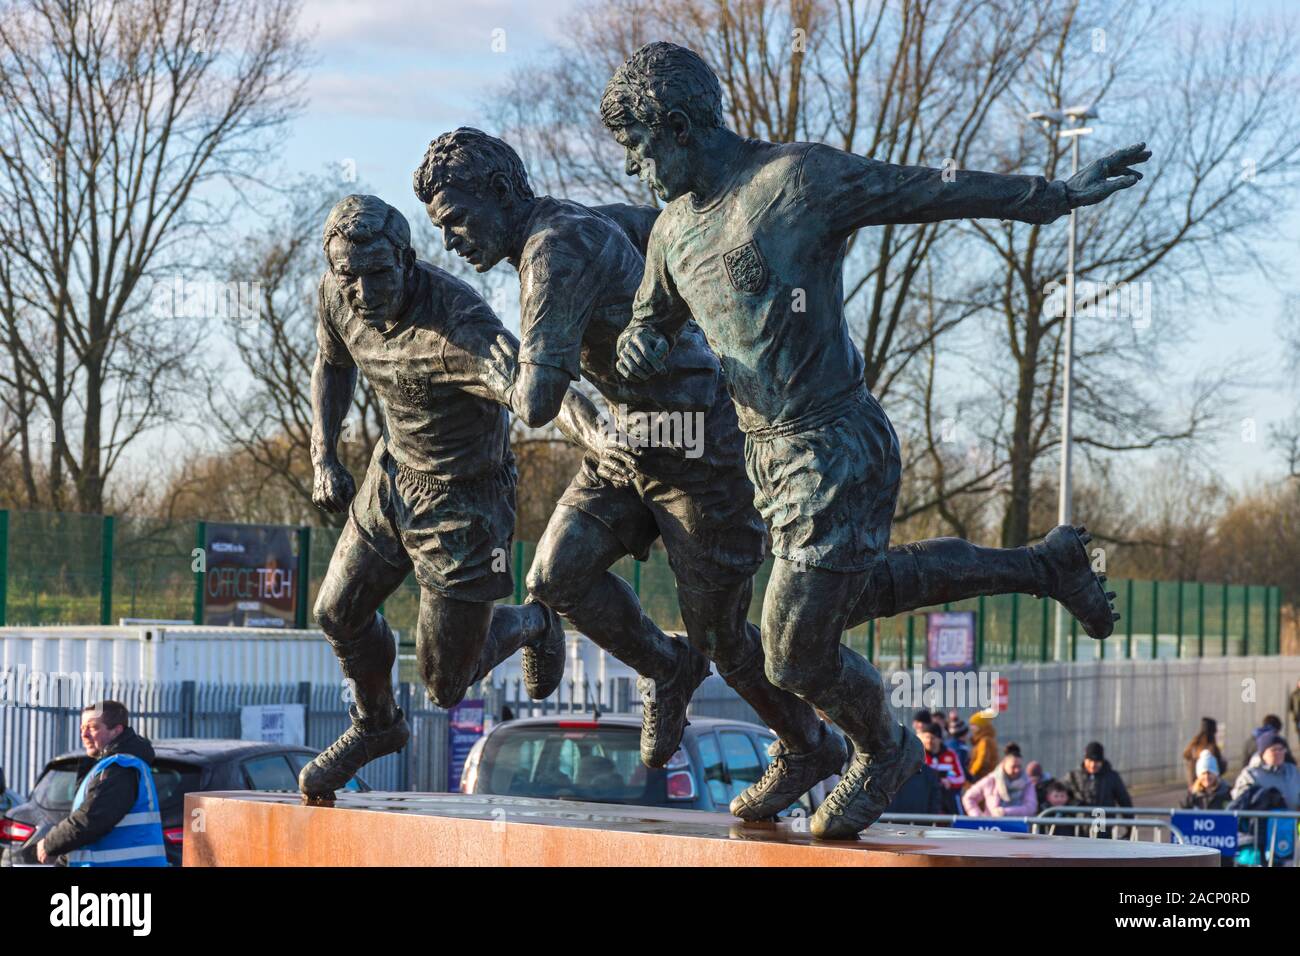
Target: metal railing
[[1132, 819], [1033, 823], [33, 733], [1269, 855]]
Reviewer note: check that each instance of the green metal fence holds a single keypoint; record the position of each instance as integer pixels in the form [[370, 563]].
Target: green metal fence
[[58, 568]]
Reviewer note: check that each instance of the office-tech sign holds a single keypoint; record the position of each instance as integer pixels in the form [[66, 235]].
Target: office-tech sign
[[252, 576]]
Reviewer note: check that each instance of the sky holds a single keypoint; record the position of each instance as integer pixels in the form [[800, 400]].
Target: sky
[[391, 76]]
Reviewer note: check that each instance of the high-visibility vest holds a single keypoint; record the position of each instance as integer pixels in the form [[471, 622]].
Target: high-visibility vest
[[137, 839]]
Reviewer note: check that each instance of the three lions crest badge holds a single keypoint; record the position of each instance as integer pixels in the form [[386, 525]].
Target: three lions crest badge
[[746, 268], [414, 390]]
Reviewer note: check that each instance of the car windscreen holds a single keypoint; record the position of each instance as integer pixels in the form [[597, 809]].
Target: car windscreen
[[58, 785], [600, 764]]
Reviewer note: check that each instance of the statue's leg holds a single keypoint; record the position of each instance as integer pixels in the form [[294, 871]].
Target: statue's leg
[[570, 574], [717, 627], [804, 615], [715, 542], [827, 493], [940, 570], [460, 537], [804, 612], [928, 573], [368, 564], [455, 643], [459, 642], [347, 610]]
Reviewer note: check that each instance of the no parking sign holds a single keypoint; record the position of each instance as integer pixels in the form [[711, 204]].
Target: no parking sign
[[1217, 830], [995, 824]]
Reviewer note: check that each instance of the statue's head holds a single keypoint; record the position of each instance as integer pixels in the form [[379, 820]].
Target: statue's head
[[657, 105], [368, 245], [474, 186]]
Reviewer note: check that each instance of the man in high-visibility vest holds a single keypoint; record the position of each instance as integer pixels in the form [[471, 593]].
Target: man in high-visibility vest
[[114, 819]]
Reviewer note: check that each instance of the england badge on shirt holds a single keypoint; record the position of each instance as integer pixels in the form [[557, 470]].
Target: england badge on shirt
[[746, 268]]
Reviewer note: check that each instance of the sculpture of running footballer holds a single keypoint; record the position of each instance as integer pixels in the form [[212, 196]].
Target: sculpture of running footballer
[[579, 270], [751, 246], [438, 498]]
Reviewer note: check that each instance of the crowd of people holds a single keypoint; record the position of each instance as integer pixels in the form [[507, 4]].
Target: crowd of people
[[1268, 779], [966, 773]]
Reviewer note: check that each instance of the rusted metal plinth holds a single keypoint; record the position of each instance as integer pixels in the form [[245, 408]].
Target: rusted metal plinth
[[443, 829]]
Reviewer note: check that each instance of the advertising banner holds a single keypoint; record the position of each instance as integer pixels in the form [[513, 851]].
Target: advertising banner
[[252, 576], [950, 641]]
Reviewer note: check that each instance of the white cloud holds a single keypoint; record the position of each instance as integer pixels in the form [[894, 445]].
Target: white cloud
[[434, 27]]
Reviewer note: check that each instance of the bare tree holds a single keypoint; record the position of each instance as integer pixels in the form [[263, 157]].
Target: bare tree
[[122, 120], [1226, 139]]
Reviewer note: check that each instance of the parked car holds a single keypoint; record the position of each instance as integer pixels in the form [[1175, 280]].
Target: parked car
[[180, 766], [578, 757]]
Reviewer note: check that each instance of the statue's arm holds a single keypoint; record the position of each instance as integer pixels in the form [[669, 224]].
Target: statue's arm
[[538, 394], [532, 392], [658, 315], [332, 387], [579, 422], [857, 192]]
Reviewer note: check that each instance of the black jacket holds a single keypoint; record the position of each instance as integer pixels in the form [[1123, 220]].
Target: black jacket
[[922, 793], [1201, 800], [109, 797], [1105, 788]]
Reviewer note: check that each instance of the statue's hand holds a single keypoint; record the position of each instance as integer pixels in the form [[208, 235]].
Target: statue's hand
[[332, 488], [641, 353], [1094, 182], [618, 462], [500, 367]]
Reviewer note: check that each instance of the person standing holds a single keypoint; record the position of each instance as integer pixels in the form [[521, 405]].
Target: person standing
[[1272, 773], [1206, 739], [1006, 792], [114, 819], [1293, 707], [1272, 724], [1209, 791], [1096, 783], [945, 762], [958, 731], [984, 747]]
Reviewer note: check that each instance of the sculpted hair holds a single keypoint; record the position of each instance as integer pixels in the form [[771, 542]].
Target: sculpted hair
[[362, 219], [657, 79], [468, 158], [111, 712]]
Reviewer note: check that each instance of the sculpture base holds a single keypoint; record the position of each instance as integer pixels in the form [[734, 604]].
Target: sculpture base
[[444, 829]]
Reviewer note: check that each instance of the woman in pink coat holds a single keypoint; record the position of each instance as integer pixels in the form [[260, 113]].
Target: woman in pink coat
[[1006, 792]]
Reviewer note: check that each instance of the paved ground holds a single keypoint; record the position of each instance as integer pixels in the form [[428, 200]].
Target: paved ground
[[1158, 796]]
